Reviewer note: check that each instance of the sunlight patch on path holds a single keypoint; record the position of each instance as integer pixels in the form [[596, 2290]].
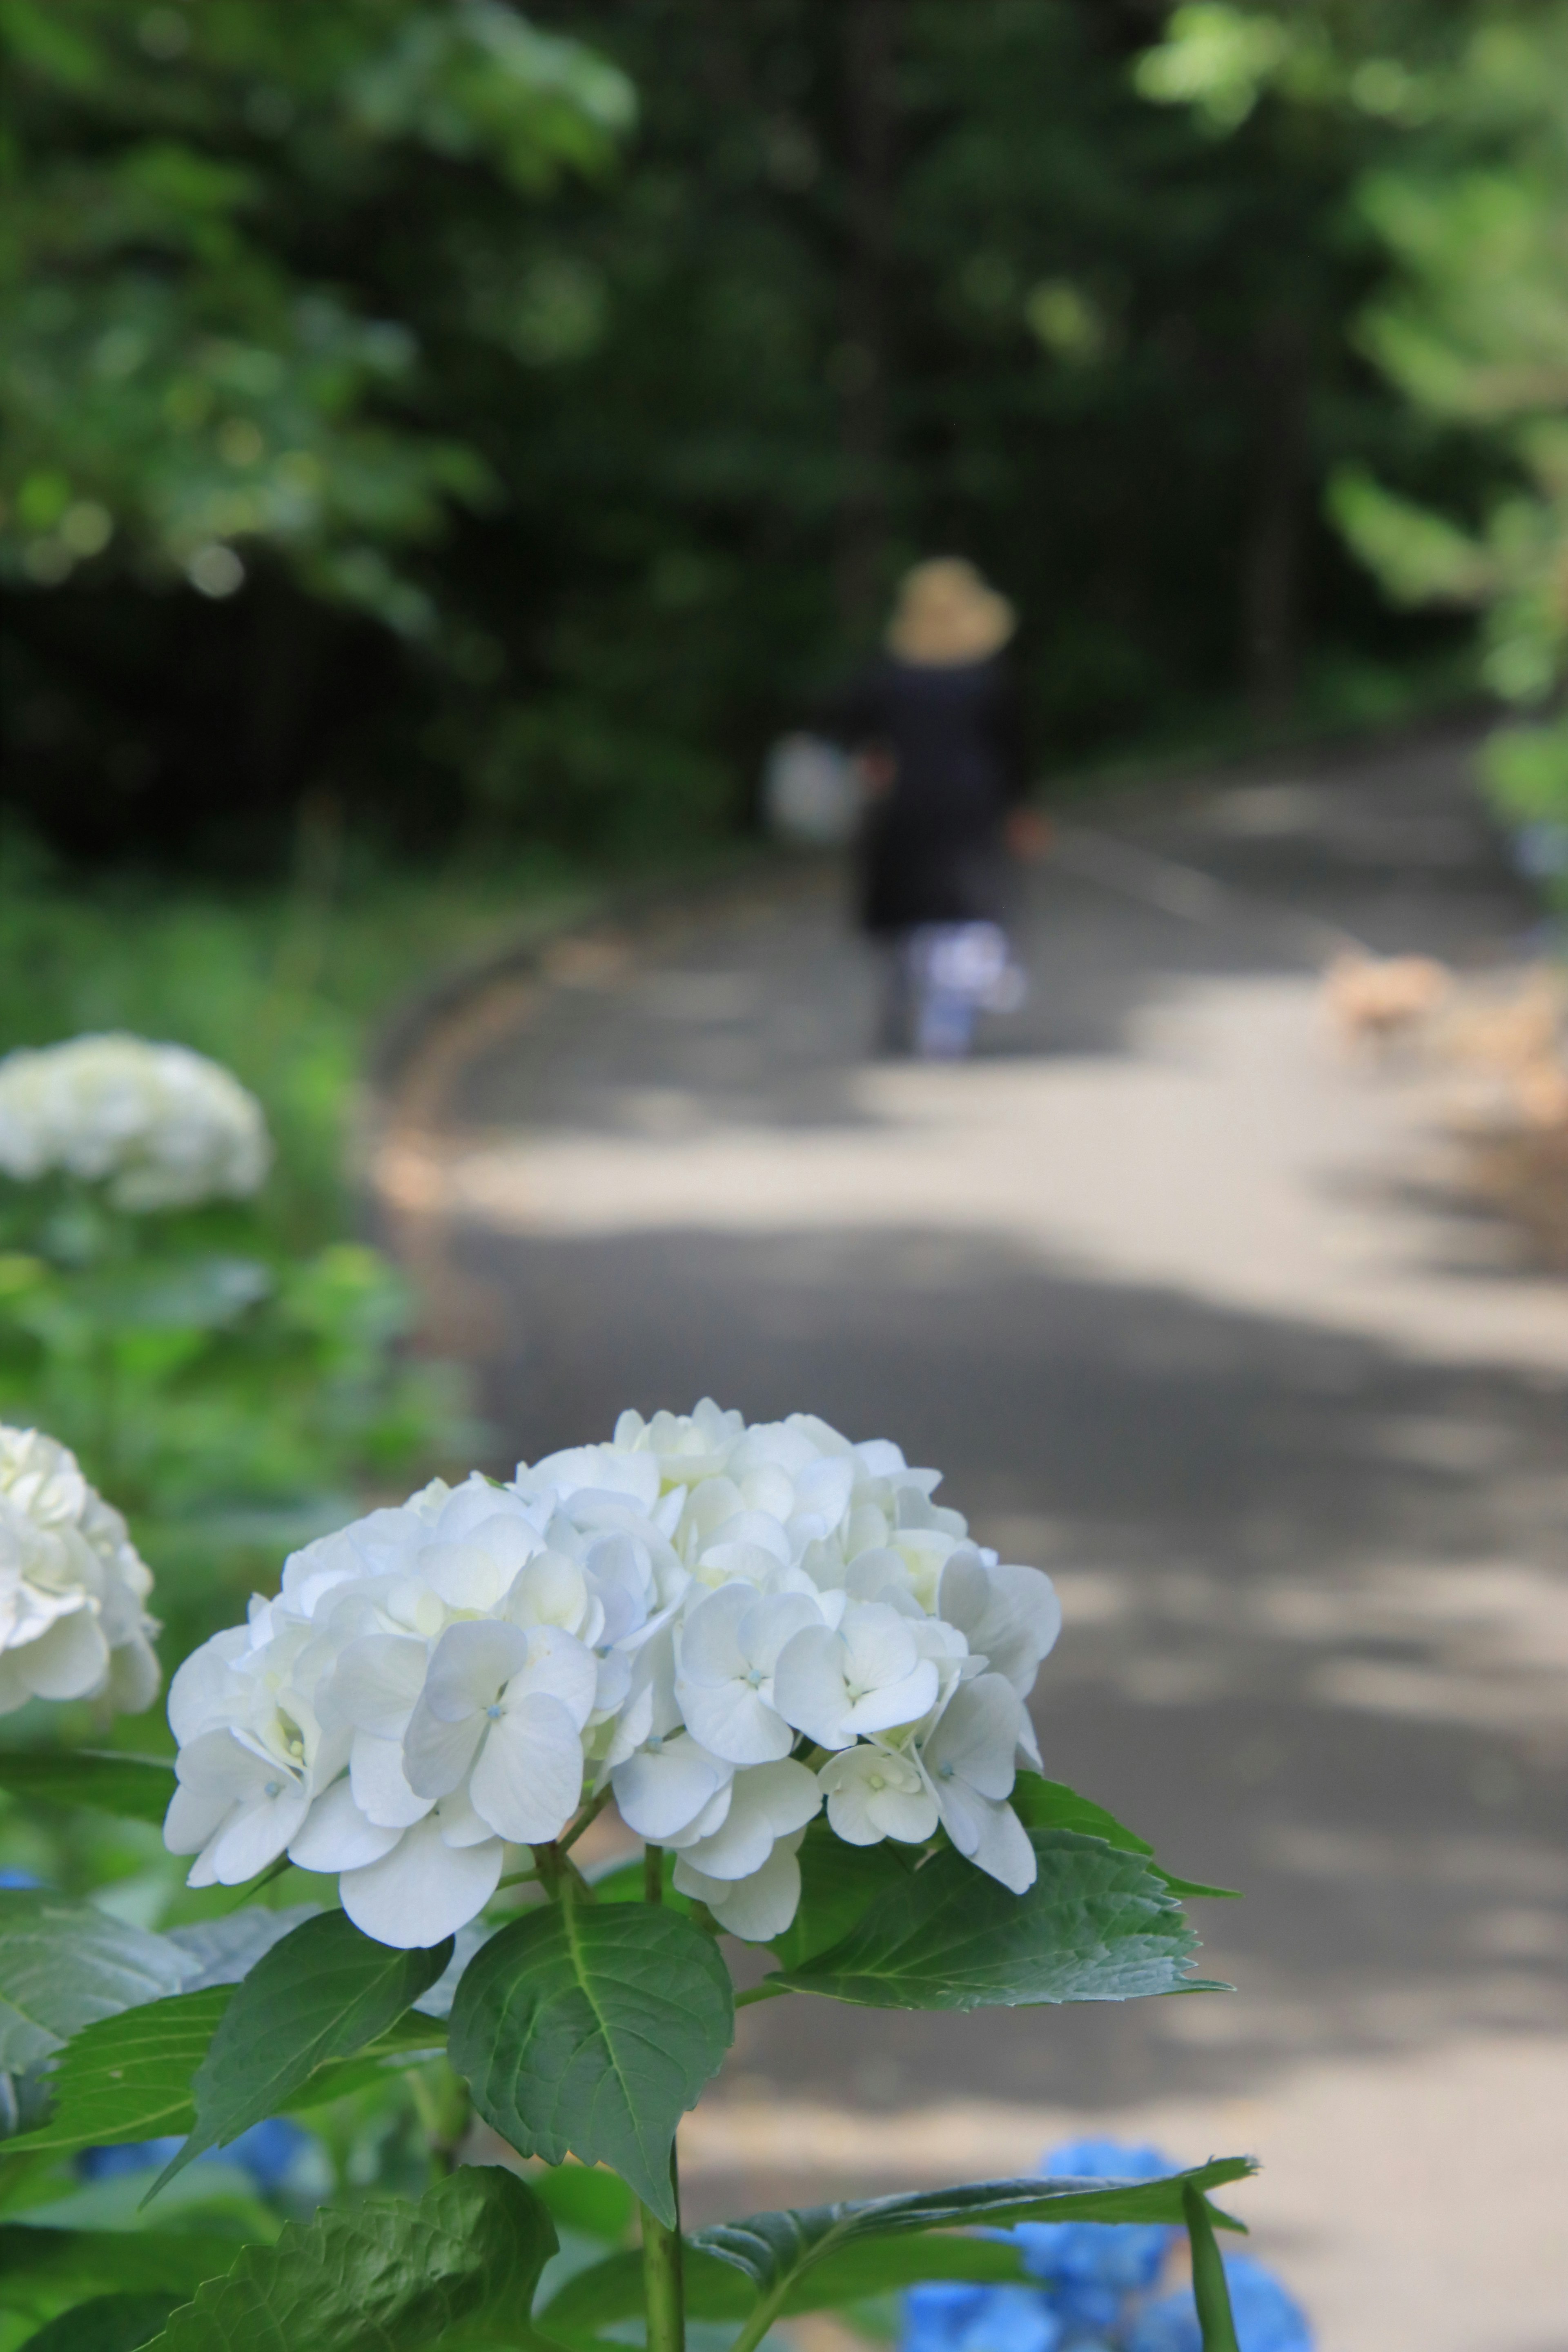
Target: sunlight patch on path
[[1228, 1154]]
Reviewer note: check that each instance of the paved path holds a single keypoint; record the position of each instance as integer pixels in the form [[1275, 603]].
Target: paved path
[[1185, 1305]]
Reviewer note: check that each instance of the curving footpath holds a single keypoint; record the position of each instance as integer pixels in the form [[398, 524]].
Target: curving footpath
[[1188, 1306]]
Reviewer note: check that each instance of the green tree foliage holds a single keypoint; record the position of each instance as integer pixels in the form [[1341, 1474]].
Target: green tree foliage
[[615, 435], [1471, 324], [1475, 334], [186, 372]]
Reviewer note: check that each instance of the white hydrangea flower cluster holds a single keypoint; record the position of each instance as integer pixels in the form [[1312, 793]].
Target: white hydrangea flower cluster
[[161, 1127], [728, 1626], [72, 1585]]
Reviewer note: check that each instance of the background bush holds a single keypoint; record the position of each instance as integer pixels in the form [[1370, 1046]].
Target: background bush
[[496, 428]]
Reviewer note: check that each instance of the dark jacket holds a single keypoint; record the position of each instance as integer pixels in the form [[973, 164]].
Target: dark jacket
[[932, 848]]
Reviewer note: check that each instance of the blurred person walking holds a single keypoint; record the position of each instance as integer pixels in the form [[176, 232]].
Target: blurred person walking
[[936, 726]]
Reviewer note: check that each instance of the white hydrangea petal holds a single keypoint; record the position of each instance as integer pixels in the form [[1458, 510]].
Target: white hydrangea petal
[[712, 1816], [765, 1803], [470, 1666], [756, 1909], [194, 1816], [256, 1834], [378, 1773], [459, 1824], [846, 1781], [736, 1723], [201, 1685], [765, 1486], [877, 1646], [376, 1684], [214, 1773], [612, 1684], [1009, 1615], [662, 1790], [336, 1834], [436, 1756], [809, 1689], [472, 1506], [634, 1724], [424, 1890], [710, 1647], [976, 1736], [71, 1660], [878, 1574], [595, 1469], [529, 1776], [909, 1815], [1002, 1847], [872, 1794], [750, 1532], [896, 1703], [471, 1574], [550, 1591], [134, 1675], [823, 1488], [559, 1668]]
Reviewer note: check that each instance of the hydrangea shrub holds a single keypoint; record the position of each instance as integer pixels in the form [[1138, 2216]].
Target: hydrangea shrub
[[73, 1588], [801, 1684], [729, 1629], [159, 1127]]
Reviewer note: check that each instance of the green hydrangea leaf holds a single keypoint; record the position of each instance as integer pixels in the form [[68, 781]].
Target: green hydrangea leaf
[[322, 1993], [1042, 1804], [128, 2262], [612, 2290], [129, 2077], [136, 1787], [221, 1951], [1096, 1925], [198, 1294], [818, 2257], [590, 2032], [65, 1965], [110, 2323], [840, 1884], [458, 2269], [777, 2250], [586, 2198]]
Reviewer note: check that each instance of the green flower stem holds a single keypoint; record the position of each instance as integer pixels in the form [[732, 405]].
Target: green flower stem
[[761, 2319], [1210, 2291], [769, 1990], [589, 1813], [663, 2289]]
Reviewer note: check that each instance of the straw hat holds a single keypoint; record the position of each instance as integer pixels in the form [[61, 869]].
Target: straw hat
[[945, 614]]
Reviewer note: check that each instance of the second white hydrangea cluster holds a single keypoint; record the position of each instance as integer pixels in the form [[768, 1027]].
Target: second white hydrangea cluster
[[159, 1126], [732, 1626], [73, 1589]]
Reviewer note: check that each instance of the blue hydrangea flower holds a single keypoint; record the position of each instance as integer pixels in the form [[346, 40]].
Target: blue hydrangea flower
[[1095, 2281], [1267, 2320], [953, 2315], [268, 2151], [1090, 2265]]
